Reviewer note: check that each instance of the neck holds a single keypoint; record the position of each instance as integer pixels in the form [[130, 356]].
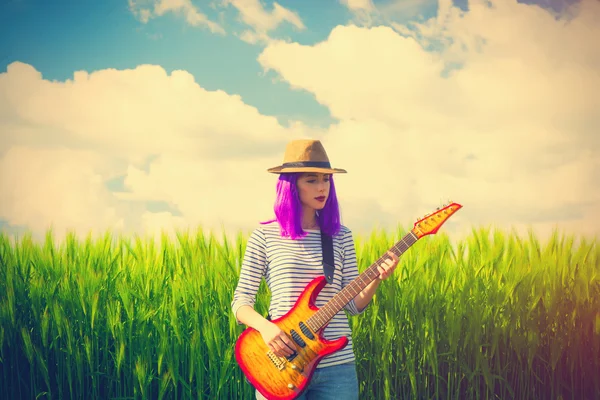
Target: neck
[[309, 219]]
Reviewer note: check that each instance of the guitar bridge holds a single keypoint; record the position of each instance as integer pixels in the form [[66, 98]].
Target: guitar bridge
[[277, 361]]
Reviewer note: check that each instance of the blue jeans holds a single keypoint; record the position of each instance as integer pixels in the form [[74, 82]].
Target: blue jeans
[[331, 383]]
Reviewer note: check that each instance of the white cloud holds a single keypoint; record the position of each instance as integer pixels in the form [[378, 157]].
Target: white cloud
[[362, 11], [147, 9], [366, 13], [208, 191], [132, 113], [58, 188], [254, 14], [63, 141], [512, 134], [356, 5], [405, 9]]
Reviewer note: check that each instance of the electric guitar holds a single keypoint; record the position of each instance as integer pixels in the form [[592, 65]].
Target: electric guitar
[[285, 378]]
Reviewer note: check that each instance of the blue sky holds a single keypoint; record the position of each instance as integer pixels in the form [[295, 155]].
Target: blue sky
[[406, 110], [61, 37]]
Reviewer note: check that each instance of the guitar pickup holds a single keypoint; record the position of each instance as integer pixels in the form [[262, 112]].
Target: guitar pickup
[[290, 358], [297, 339], [306, 331]]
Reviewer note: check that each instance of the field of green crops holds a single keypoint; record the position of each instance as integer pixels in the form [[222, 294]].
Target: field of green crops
[[497, 316]]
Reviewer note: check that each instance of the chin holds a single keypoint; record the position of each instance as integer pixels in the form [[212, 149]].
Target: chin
[[320, 206]]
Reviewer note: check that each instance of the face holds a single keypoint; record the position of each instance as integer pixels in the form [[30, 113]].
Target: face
[[313, 189]]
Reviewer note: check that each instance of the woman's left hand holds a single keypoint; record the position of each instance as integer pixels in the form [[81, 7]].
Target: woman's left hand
[[387, 267]]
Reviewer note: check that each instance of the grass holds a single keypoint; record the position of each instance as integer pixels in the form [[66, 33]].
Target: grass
[[496, 316]]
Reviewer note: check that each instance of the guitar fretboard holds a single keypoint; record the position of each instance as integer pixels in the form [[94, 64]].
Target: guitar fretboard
[[333, 306]]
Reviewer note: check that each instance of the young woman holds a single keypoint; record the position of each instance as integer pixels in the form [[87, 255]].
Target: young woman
[[287, 253]]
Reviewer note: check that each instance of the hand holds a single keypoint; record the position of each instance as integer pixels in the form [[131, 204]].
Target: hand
[[277, 340], [388, 266]]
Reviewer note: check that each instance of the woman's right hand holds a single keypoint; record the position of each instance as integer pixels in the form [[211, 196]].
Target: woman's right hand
[[277, 340]]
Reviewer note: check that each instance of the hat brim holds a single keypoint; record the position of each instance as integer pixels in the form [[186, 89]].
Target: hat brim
[[282, 170]]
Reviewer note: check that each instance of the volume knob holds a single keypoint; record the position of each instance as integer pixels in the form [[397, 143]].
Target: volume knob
[[296, 368], [290, 386]]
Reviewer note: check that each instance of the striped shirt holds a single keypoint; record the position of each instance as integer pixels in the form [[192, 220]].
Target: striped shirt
[[289, 265]]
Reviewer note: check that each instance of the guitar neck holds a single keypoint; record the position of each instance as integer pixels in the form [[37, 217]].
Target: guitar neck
[[333, 306]]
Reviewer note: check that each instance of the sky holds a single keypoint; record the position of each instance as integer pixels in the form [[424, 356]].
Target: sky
[[146, 115]]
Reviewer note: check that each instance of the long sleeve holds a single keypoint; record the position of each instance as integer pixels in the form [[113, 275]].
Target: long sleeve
[[350, 270], [251, 273]]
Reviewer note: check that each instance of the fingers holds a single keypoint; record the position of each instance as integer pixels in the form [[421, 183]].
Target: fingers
[[277, 341], [289, 343], [282, 345], [388, 266], [280, 349]]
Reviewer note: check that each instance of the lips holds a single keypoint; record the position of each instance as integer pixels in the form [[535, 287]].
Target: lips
[[320, 198]]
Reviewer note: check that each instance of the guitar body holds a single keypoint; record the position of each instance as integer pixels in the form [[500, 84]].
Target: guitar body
[[279, 378], [285, 378]]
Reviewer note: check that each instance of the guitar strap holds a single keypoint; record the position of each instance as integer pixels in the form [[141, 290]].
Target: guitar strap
[[328, 263]]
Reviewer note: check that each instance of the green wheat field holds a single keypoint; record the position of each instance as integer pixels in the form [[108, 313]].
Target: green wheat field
[[496, 316]]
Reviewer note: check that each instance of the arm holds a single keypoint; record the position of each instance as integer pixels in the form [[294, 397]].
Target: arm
[[248, 316], [362, 299], [244, 298], [386, 269], [251, 273]]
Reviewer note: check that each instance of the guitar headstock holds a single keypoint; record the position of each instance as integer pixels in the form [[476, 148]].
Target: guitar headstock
[[430, 223]]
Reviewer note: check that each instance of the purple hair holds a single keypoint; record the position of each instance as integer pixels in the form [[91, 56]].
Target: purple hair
[[288, 209]]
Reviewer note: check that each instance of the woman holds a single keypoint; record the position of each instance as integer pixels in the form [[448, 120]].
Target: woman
[[287, 253]]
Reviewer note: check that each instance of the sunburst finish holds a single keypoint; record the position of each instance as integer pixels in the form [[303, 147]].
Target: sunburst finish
[[278, 378]]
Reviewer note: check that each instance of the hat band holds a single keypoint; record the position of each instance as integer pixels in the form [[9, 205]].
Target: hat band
[[313, 164]]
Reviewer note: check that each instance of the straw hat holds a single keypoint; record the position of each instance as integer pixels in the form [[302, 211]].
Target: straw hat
[[305, 155]]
